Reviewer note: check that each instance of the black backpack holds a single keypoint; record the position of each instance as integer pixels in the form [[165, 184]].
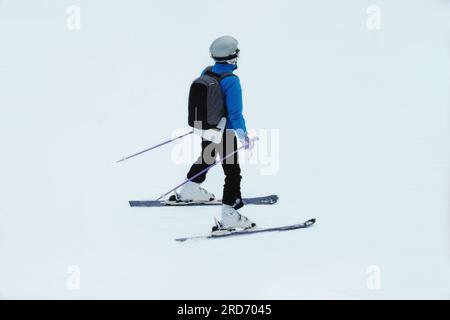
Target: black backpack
[[206, 105]]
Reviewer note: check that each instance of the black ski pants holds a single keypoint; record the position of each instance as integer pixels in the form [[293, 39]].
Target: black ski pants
[[232, 187]]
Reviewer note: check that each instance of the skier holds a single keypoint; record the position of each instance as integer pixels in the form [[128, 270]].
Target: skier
[[225, 53]]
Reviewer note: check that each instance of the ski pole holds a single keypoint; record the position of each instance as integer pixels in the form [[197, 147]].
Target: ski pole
[[154, 147], [203, 171]]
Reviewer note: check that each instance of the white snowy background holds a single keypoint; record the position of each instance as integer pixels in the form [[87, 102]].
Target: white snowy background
[[363, 120]]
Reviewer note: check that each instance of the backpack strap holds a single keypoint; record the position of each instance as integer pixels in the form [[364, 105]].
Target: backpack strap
[[226, 74], [219, 77]]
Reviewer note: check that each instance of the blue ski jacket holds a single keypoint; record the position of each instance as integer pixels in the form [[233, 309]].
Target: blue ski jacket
[[232, 93]]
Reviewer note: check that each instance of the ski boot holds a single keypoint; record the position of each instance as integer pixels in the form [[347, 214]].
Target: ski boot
[[191, 192], [231, 221]]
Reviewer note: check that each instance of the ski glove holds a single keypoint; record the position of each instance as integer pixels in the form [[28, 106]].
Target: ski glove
[[248, 143]]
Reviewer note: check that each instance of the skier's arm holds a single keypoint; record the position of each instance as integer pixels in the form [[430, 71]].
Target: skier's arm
[[233, 99]]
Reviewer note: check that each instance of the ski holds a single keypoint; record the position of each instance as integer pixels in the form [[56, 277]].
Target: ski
[[172, 202], [303, 225]]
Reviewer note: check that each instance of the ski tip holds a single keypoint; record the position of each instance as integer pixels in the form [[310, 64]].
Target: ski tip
[[274, 198]]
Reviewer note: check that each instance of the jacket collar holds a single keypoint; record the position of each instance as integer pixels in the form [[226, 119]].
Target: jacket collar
[[224, 67]]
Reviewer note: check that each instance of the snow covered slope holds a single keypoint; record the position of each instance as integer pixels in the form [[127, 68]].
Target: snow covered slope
[[363, 120]]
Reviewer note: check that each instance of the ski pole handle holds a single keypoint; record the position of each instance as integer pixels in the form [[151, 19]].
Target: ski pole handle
[[154, 147]]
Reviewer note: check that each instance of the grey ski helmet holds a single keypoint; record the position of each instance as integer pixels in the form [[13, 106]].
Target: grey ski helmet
[[224, 48]]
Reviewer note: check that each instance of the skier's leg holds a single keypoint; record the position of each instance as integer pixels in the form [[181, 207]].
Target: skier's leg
[[232, 199], [232, 170], [206, 158], [192, 191]]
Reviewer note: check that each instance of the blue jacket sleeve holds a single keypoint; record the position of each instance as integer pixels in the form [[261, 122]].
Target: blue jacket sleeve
[[231, 87]]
